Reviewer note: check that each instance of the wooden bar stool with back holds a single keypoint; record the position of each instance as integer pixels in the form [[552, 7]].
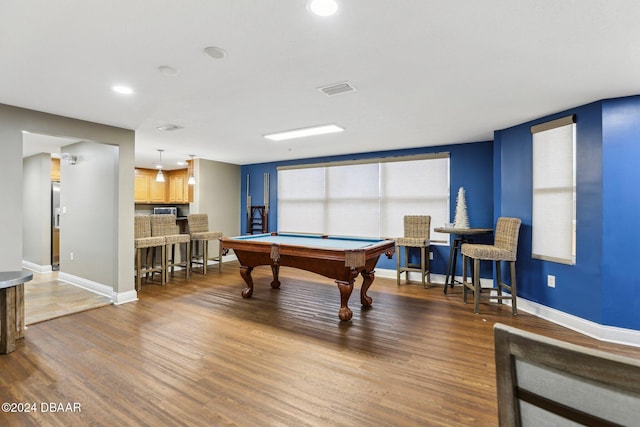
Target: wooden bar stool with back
[[199, 232], [144, 241], [165, 225], [417, 229], [505, 248]]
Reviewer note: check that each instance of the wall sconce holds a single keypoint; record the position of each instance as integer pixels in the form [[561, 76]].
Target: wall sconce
[[71, 159]]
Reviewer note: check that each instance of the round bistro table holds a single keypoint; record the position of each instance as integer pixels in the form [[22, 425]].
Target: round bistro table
[[461, 235]]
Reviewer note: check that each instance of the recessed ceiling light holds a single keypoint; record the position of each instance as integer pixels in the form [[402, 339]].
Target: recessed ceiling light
[[323, 7], [124, 90], [215, 52], [300, 133], [169, 127], [167, 70]]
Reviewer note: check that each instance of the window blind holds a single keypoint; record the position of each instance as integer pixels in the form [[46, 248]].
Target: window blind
[[554, 191], [364, 198]]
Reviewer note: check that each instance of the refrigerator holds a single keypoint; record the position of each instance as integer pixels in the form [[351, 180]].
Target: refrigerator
[[55, 225]]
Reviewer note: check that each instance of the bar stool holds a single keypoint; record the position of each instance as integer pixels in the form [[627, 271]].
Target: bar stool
[[144, 240], [505, 248], [199, 232], [417, 229], [165, 225]]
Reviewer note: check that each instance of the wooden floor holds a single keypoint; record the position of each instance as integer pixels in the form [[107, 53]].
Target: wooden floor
[[197, 354], [46, 297]]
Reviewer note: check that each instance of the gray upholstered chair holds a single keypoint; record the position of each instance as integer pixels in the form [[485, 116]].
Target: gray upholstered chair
[[417, 229], [199, 233], [144, 241], [505, 248], [165, 225], [542, 381]]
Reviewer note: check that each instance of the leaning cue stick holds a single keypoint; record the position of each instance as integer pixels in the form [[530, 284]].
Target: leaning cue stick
[[248, 203], [266, 193]]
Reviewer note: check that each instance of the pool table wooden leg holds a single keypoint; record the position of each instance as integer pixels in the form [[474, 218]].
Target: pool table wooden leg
[[275, 269], [245, 272], [345, 288], [368, 277]]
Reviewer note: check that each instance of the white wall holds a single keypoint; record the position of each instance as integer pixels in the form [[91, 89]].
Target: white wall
[[13, 121], [36, 210], [88, 201], [217, 193]]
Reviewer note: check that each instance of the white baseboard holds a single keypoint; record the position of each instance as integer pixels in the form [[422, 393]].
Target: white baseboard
[[89, 285], [36, 268], [124, 297], [98, 288], [600, 332], [436, 279]]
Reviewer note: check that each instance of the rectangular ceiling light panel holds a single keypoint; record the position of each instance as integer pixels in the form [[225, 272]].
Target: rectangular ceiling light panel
[[301, 133]]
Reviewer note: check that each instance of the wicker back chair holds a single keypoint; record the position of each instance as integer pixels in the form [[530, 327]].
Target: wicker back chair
[[144, 240], [199, 233], [165, 225], [417, 231], [505, 248]]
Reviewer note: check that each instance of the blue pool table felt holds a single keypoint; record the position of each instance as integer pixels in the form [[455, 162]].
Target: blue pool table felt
[[333, 242]]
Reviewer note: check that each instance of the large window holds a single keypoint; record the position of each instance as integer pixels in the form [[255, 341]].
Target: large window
[[367, 198], [554, 191]]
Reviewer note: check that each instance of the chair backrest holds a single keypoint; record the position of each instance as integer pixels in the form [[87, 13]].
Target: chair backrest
[[507, 231], [544, 381], [417, 226], [163, 225], [198, 223], [142, 225]]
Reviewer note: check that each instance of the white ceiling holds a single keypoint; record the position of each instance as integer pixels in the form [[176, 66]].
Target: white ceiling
[[426, 72]]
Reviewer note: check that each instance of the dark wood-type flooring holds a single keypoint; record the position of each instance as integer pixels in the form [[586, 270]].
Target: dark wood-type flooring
[[197, 354]]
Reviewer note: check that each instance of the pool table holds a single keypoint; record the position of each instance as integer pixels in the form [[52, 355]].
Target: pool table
[[336, 257]]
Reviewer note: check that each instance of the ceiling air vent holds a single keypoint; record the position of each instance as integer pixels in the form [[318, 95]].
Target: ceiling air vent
[[169, 127], [337, 89]]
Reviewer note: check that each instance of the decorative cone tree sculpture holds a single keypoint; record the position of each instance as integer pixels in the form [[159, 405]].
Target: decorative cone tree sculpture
[[461, 220]]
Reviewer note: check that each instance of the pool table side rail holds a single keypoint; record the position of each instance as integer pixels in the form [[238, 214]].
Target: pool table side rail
[[377, 249]]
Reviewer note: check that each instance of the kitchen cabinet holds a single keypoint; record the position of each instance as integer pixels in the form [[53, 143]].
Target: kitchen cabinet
[[178, 187], [175, 188], [55, 169], [157, 190], [141, 187]]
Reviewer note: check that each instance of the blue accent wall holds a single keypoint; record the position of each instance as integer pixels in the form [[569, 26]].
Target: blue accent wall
[[578, 287], [621, 212], [471, 167], [602, 286]]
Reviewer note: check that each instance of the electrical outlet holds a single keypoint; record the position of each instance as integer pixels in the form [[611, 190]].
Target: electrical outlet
[[551, 281], [71, 256], [431, 256]]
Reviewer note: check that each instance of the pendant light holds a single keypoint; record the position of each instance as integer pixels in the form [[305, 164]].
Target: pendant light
[[192, 179], [160, 175]]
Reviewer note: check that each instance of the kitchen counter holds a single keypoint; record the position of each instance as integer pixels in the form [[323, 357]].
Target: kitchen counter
[[12, 308]]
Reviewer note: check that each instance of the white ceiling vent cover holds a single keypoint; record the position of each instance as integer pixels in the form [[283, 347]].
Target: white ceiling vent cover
[[337, 89]]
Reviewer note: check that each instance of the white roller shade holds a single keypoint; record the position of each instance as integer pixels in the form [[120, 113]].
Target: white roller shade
[[366, 198], [554, 190]]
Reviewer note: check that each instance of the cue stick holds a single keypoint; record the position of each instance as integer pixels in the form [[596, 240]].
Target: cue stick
[[266, 193], [248, 200]]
